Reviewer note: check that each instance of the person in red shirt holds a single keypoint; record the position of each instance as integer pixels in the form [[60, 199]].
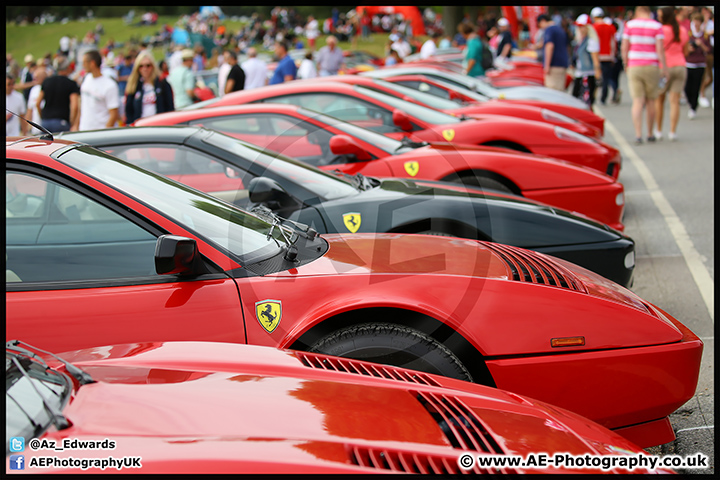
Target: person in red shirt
[[606, 37]]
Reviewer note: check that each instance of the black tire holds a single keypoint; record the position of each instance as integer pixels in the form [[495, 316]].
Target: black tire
[[393, 345], [485, 183]]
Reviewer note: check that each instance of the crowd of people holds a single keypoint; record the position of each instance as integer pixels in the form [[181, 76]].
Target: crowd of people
[[84, 86]]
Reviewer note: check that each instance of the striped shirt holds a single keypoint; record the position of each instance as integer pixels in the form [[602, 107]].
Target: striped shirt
[[642, 34]]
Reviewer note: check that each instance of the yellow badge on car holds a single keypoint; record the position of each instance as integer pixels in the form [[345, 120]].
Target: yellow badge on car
[[352, 221], [268, 313], [501, 96], [412, 168], [448, 134]]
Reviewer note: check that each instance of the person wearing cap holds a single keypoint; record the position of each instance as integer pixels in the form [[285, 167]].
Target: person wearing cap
[[644, 57], [62, 98], [182, 80], [25, 80], [606, 38], [504, 47], [586, 61], [555, 55]]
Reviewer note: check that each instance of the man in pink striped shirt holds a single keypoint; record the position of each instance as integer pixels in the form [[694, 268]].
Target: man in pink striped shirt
[[644, 58]]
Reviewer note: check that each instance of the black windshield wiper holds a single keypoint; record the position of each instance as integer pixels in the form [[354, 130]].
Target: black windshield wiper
[[359, 181], [300, 229], [405, 142], [81, 376], [56, 416]]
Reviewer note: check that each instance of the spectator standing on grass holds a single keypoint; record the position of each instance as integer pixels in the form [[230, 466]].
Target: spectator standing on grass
[[430, 46], [15, 102], [61, 98], [696, 63], [644, 58], [223, 71], [25, 80], [401, 46], [555, 55], [587, 61], [99, 97], [146, 94], [330, 58], [676, 46], [236, 76], [182, 80], [285, 71], [312, 31], [255, 70], [606, 38]]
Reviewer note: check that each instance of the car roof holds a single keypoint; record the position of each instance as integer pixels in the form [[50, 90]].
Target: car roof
[[134, 134]]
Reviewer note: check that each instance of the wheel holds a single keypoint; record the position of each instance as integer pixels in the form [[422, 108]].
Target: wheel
[[485, 183], [393, 345]]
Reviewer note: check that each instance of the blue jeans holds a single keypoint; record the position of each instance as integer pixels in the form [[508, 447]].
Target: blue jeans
[[55, 125], [608, 80]]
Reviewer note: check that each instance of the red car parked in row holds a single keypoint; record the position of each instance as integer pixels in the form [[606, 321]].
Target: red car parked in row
[[396, 118]]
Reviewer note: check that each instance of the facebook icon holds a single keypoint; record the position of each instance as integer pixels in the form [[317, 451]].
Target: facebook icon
[[17, 462]]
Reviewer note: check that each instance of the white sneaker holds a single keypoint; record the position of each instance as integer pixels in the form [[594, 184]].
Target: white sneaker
[[657, 134], [672, 137], [704, 102], [692, 114]]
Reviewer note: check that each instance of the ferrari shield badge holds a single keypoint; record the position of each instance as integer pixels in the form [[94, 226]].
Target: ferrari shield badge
[[352, 221], [268, 313], [412, 168], [448, 134]]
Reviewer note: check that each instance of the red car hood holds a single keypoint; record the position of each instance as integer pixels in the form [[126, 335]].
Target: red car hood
[[187, 395]]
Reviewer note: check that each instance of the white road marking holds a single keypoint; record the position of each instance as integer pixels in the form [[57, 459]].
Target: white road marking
[[695, 428], [699, 272]]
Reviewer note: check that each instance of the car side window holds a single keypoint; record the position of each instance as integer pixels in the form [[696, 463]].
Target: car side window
[[191, 167], [425, 87], [231, 124], [55, 234], [343, 107]]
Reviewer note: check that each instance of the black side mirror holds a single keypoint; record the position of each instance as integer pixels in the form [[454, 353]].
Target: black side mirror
[[175, 255], [268, 192]]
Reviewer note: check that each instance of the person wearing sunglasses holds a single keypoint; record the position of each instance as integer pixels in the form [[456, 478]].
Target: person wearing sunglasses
[[146, 94]]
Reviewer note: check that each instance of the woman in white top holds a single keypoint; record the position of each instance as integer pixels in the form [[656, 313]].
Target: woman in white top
[[307, 67]]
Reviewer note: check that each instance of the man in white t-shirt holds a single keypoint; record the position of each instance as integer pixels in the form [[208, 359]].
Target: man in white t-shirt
[[312, 31], [99, 96], [430, 46], [15, 102], [223, 71], [401, 46], [256, 73]]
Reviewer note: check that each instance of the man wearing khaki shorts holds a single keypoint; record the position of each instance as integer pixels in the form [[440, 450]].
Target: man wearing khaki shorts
[[643, 54], [555, 58]]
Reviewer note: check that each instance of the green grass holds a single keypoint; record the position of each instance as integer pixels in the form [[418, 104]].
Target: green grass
[[42, 39]]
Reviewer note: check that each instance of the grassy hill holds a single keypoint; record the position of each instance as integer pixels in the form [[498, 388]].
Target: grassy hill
[[42, 39]]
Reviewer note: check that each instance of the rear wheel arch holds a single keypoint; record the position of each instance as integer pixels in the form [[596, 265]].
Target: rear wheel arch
[[468, 355], [484, 178]]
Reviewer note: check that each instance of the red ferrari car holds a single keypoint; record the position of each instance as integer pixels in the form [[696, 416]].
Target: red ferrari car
[[193, 407], [453, 88], [477, 110], [100, 251], [397, 118], [333, 144]]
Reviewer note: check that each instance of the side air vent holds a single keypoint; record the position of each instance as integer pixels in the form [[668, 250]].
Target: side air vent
[[364, 368], [529, 267], [407, 462], [460, 424]]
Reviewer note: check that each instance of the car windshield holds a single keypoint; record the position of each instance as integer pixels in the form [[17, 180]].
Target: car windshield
[[422, 97], [425, 114], [324, 185], [26, 414], [386, 144], [230, 228]]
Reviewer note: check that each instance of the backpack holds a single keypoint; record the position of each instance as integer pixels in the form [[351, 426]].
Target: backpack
[[487, 56]]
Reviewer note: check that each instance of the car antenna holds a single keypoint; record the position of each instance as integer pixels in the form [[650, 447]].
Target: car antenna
[[46, 133]]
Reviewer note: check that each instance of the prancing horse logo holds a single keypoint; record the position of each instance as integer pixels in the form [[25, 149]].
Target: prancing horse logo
[[352, 221], [268, 313], [412, 168]]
